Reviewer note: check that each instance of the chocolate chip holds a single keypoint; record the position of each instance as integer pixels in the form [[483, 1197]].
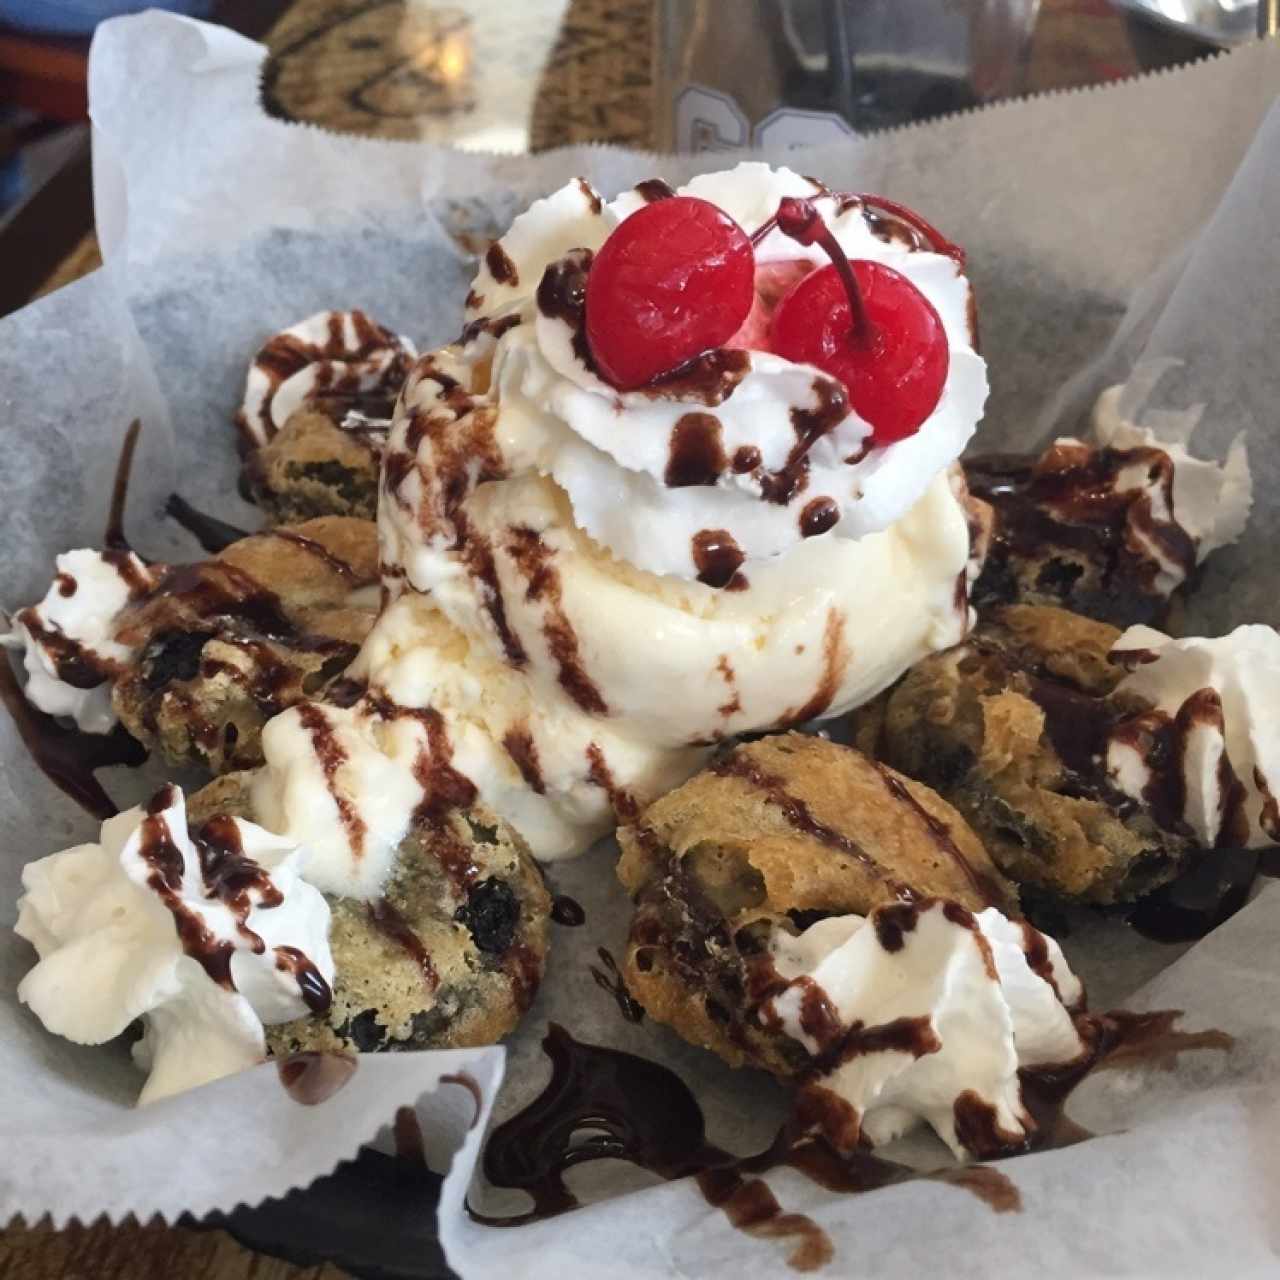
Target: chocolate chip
[[365, 1031], [1058, 577], [173, 655], [996, 584], [491, 914]]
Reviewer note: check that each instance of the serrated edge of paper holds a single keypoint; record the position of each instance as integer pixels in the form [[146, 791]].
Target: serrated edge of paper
[[117, 1213]]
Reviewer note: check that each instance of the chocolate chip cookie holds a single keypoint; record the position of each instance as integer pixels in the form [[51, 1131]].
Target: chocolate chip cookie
[[450, 956]]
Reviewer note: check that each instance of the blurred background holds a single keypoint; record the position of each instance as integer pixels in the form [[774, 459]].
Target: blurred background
[[534, 74]]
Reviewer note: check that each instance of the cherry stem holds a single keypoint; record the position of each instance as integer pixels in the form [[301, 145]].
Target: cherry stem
[[800, 220], [846, 200]]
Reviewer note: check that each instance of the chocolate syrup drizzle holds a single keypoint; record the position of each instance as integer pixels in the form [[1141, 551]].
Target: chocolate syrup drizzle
[[65, 755], [835, 658], [809, 425], [231, 877], [113, 537], [696, 454], [212, 534], [591, 195], [797, 813], [331, 756], [610, 979], [536, 562], [523, 751], [718, 559], [606, 1104], [940, 834], [567, 911], [819, 515], [1162, 742], [653, 189], [384, 916], [562, 295], [501, 268]]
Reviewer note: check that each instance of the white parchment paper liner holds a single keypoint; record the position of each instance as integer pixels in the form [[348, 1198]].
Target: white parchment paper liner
[[1105, 228]]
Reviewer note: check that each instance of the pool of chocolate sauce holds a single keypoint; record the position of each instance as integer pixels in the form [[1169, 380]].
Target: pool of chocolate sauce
[[603, 1103]]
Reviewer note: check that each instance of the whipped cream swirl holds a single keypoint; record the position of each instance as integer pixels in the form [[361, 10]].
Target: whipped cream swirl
[[68, 640], [924, 1012], [342, 354], [753, 447], [206, 936], [1207, 753]]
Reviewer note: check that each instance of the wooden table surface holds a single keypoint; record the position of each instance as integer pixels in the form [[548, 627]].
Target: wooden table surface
[[587, 80]]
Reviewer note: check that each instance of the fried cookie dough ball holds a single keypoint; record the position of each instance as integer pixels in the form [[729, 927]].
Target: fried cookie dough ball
[[787, 829], [1010, 728], [314, 466], [223, 645]]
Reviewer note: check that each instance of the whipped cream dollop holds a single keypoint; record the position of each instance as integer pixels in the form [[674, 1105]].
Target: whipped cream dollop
[[343, 354], [924, 1012], [205, 936], [761, 450], [1207, 753], [1209, 500], [68, 642], [586, 590]]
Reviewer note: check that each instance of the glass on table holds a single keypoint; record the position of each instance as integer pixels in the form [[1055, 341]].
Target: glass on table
[[792, 72]]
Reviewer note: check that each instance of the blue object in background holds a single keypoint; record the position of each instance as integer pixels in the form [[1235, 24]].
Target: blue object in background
[[12, 183], [79, 17]]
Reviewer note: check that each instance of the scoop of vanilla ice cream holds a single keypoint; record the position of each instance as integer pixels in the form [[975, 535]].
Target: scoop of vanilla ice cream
[[1211, 733], [937, 1011], [574, 616], [140, 926]]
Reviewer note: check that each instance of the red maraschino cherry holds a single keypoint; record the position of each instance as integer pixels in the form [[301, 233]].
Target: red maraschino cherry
[[674, 279], [866, 324]]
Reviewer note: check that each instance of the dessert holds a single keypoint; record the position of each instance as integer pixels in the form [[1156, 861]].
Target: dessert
[[193, 659], [449, 956], [802, 908], [689, 472], [1010, 727], [206, 934], [540, 526], [1110, 529]]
